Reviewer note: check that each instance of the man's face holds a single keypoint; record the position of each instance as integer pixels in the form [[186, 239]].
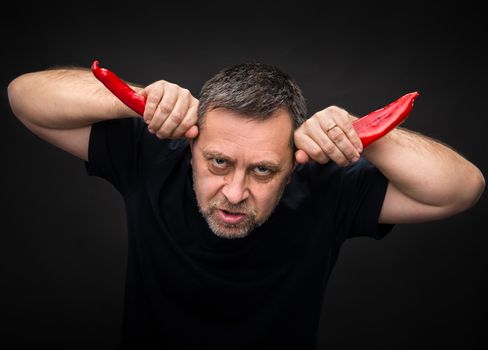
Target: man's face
[[240, 169]]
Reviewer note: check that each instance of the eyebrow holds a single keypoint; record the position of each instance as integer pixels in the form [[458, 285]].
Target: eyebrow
[[265, 163], [215, 154]]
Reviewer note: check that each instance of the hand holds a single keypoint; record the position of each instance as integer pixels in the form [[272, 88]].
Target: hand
[[328, 135], [171, 111]]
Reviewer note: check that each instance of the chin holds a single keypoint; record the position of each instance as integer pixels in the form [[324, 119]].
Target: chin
[[229, 231]]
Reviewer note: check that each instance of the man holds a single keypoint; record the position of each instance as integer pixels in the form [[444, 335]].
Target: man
[[237, 205]]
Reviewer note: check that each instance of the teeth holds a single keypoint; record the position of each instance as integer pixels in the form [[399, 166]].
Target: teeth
[[229, 212]]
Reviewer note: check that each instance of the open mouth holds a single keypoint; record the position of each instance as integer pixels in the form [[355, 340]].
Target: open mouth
[[231, 217]]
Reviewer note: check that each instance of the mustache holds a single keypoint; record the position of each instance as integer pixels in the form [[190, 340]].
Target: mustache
[[224, 204]]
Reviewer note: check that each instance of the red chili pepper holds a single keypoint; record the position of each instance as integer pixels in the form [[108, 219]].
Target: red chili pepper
[[119, 88], [369, 128], [378, 123]]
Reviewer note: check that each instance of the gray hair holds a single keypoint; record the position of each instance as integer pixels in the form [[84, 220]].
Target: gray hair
[[255, 90]]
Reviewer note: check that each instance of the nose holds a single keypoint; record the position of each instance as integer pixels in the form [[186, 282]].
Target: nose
[[235, 189]]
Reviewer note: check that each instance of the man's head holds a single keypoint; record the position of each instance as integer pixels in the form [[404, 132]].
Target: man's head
[[244, 154], [254, 90]]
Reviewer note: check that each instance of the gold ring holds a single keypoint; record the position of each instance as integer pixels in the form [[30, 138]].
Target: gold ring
[[331, 127]]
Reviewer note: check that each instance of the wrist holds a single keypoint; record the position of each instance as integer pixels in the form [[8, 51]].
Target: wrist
[[120, 110], [377, 149]]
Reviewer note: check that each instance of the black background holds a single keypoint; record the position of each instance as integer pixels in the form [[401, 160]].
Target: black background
[[63, 236]]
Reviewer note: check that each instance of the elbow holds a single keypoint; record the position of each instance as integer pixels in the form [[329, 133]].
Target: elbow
[[479, 186], [14, 93], [21, 100], [472, 189]]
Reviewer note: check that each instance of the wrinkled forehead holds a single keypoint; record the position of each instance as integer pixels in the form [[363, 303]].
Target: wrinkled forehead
[[236, 135]]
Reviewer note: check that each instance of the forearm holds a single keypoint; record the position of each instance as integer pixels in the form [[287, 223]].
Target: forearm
[[426, 170], [63, 99]]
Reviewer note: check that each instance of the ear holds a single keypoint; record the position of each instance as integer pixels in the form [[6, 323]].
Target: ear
[[290, 176]]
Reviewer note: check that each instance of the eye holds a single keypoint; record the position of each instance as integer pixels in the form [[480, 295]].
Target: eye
[[262, 171], [218, 166], [219, 162]]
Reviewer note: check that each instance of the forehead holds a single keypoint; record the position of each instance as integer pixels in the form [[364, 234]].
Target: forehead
[[236, 135]]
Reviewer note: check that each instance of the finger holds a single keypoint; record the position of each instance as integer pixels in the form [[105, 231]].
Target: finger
[[343, 144], [176, 117], [153, 97], [164, 109], [330, 149], [354, 137], [308, 145], [337, 145], [143, 93], [192, 133], [345, 123], [188, 122]]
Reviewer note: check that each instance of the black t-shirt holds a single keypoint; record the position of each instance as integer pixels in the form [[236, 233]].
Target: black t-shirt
[[187, 288]]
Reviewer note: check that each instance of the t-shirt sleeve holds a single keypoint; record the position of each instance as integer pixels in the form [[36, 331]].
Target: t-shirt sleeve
[[362, 189], [114, 151]]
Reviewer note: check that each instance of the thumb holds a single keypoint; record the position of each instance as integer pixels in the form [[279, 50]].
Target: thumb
[[301, 157], [192, 132], [142, 92]]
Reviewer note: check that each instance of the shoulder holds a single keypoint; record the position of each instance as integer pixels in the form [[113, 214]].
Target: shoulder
[[319, 174], [314, 181]]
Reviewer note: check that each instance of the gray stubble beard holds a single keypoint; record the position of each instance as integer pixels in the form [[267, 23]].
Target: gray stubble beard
[[240, 230]]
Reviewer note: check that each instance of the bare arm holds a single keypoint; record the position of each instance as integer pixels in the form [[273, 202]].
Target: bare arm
[[63, 99], [60, 105], [427, 180]]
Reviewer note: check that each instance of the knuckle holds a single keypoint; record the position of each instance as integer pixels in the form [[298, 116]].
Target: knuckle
[[337, 137], [329, 148], [153, 98], [323, 160], [161, 83], [340, 160], [161, 133], [316, 153], [348, 129], [313, 116], [187, 124], [309, 125], [351, 154], [165, 108], [298, 138], [152, 123], [337, 112], [177, 116], [152, 85], [305, 126], [157, 86], [147, 114], [332, 109], [319, 116]]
